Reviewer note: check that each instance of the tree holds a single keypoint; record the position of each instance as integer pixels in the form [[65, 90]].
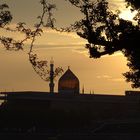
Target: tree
[[135, 4], [107, 33], [40, 66]]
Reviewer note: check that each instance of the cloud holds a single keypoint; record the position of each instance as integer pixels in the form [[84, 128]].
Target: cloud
[[117, 4], [110, 78], [83, 50], [48, 37], [70, 34], [103, 77], [119, 53], [56, 38], [127, 14], [54, 46], [118, 80]]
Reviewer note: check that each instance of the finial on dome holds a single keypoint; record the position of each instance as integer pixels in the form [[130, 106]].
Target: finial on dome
[[68, 67], [51, 61]]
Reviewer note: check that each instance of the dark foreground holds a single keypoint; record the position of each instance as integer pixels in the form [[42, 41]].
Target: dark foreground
[[106, 130], [41, 116], [70, 137]]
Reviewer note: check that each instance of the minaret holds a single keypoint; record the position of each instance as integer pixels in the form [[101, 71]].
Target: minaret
[[51, 84]]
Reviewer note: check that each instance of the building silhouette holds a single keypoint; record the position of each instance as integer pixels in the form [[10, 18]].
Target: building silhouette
[[68, 108], [68, 83]]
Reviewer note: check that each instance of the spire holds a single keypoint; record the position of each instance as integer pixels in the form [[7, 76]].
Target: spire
[[51, 61], [83, 90], [90, 92]]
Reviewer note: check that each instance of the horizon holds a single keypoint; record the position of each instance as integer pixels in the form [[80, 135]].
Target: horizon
[[90, 73], [102, 75]]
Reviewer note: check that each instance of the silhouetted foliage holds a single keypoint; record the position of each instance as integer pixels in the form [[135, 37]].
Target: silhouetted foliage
[[30, 34], [40, 66], [107, 33], [104, 30], [135, 4], [5, 19], [5, 15]]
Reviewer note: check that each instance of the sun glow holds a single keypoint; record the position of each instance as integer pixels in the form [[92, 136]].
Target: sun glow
[[127, 14]]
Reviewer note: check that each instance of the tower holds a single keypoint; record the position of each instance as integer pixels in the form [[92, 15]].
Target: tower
[[51, 84]]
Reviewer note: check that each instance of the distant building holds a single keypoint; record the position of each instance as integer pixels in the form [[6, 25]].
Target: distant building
[[132, 93], [68, 83], [93, 106]]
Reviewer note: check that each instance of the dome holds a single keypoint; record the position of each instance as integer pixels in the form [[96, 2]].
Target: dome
[[68, 83]]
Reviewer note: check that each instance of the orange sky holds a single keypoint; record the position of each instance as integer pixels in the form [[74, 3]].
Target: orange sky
[[101, 75]]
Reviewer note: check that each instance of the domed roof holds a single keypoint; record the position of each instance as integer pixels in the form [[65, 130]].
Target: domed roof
[[68, 82], [68, 75]]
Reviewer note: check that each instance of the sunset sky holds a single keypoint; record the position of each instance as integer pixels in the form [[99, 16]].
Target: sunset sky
[[103, 76]]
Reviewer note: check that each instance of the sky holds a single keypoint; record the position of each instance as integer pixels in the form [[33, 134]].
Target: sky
[[101, 76]]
